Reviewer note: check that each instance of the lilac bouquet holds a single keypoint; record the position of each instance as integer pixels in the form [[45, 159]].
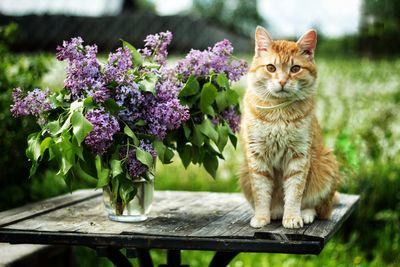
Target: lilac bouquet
[[111, 120], [214, 107]]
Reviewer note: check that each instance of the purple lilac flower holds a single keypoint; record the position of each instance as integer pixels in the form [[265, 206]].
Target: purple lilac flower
[[156, 44], [169, 74], [135, 167], [164, 116], [223, 47], [217, 59], [118, 65], [99, 92], [131, 99], [71, 50], [167, 90], [34, 103], [104, 128], [237, 69], [83, 70], [231, 116]]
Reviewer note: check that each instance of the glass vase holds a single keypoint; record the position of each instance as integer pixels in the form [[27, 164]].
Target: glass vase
[[135, 210]]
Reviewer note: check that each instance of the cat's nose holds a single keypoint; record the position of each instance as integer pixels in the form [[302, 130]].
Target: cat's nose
[[282, 82]]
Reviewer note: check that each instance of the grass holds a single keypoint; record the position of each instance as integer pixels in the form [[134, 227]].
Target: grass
[[358, 108]]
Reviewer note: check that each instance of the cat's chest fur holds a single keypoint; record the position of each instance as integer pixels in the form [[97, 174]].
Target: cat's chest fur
[[275, 141]]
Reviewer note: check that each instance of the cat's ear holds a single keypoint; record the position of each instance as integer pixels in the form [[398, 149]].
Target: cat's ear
[[263, 40], [308, 42]]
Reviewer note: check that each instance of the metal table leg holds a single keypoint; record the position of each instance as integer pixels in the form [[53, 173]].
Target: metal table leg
[[173, 259], [144, 257], [222, 258]]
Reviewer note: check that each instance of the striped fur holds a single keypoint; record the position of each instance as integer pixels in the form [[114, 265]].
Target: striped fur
[[288, 173]]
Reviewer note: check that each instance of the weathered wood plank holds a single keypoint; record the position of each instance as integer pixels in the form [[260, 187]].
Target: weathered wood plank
[[227, 224], [180, 214], [27, 211], [169, 215], [325, 229]]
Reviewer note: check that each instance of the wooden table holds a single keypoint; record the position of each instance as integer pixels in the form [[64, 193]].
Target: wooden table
[[178, 221]]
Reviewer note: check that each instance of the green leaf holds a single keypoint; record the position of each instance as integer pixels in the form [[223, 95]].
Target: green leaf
[[33, 168], [186, 155], [88, 102], [76, 105], [129, 132], [127, 191], [136, 56], [140, 123], [54, 152], [165, 154], [223, 132], [103, 174], [116, 167], [232, 97], [189, 101], [144, 157], [191, 87], [112, 106], [81, 127], [83, 174], [197, 137], [208, 129], [45, 145], [33, 150], [78, 149], [186, 130], [169, 154], [233, 139], [160, 148], [222, 101], [149, 83], [223, 81], [53, 127], [210, 162], [67, 153], [210, 150], [197, 154], [207, 97], [65, 126]]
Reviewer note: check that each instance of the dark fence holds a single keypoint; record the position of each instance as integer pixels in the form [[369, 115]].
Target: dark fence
[[45, 32]]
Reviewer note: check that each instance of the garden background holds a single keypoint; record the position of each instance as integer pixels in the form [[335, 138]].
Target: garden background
[[358, 107]]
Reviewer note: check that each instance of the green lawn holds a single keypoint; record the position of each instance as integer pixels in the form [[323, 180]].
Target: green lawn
[[358, 108]]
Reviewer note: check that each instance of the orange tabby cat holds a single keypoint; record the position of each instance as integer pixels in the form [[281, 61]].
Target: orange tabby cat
[[288, 172]]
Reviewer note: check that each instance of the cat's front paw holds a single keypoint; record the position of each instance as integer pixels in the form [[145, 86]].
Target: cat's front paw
[[292, 221], [259, 221], [308, 215]]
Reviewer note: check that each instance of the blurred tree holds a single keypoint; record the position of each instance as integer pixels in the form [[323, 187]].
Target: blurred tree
[[238, 15], [380, 26], [24, 72], [129, 6]]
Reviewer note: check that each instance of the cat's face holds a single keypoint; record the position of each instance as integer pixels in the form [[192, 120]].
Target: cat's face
[[283, 69]]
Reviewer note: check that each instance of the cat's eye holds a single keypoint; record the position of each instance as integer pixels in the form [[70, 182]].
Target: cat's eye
[[271, 68], [295, 69]]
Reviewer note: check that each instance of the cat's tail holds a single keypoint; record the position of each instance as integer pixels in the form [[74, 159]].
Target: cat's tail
[[245, 184]]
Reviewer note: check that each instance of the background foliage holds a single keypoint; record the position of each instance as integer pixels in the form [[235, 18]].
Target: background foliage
[[16, 71], [239, 16]]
